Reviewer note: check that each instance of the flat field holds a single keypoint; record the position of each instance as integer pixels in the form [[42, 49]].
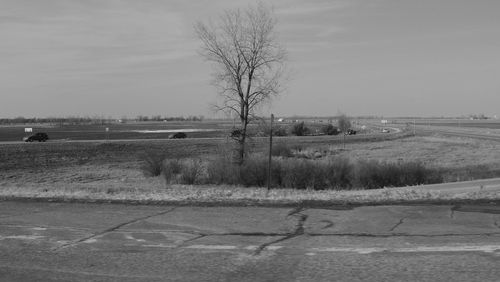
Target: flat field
[[118, 163], [118, 131], [457, 123]]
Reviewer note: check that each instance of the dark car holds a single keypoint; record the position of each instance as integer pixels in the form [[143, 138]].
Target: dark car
[[40, 137], [178, 135]]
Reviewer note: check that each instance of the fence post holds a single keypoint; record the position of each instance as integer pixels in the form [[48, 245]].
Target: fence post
[[270, 151]]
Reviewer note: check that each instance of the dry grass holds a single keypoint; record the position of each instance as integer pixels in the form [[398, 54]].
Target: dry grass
[[223, 194], [113, 171], [432, 150]]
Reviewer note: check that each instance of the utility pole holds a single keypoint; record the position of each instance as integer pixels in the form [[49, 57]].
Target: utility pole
[[270, 151]]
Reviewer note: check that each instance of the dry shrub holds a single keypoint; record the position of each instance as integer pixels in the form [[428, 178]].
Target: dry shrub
[[223, 169], [171, 169], [281, 149], [469, 173], [191, 171], [297, 173], [374, 174], [152, 163], [340, 173], [300, 129], [253, 172], [280, 131]]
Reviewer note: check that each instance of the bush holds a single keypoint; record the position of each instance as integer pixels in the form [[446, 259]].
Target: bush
[[152, 163], [280, 131], [373, 174], [296, 173], [344, 123], [191, 172], [171, 168], [281, 149], [340, 173], [468, 173], [300, 129], [254, 171], [330, 130], [223, 169]]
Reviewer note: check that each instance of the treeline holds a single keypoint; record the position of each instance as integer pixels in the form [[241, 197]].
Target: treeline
[[478, 116], [165, 118], [76, 120], [58, 120]]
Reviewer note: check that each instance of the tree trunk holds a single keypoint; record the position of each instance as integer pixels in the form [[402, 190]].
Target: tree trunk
[[242, 142]]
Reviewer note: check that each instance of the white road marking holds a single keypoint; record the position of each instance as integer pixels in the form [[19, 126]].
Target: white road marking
[[270, 248], [230, 247], [159, 246], [273, 248], [418, 249], [212, 247], [315, 251], [491, 248], [22, 237], [350, 250], [463, 248]]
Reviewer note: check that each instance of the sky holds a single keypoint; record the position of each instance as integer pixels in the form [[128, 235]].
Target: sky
[[123, 58]]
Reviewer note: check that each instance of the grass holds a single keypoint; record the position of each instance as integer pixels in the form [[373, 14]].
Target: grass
[[111, 170], [233, 195]]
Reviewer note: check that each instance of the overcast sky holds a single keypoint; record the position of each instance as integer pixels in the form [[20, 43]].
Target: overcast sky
[[360, 57]]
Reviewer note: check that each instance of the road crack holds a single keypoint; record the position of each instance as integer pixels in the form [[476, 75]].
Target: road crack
[[111, 229], [328, 223], [401, 221], [299, 229]]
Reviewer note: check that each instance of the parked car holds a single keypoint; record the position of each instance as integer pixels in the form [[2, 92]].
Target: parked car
[[40, 137], [385, 130], [178, 135]]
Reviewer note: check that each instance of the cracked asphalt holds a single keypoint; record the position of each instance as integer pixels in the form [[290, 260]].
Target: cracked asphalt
[[114, 242]]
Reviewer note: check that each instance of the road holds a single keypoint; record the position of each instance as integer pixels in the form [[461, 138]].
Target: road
[[484, 134], [395, 133], [111, 242]]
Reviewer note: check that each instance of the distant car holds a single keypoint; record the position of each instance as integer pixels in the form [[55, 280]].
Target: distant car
[[178, 135], [40, 137], [350, 132], [385, 130]]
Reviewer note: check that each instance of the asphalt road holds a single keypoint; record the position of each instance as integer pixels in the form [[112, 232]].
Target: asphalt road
[[110, 242], [319, 138], [485, 134]]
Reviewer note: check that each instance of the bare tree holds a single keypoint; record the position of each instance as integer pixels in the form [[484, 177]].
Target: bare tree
[[344, 123], [248, 62]]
